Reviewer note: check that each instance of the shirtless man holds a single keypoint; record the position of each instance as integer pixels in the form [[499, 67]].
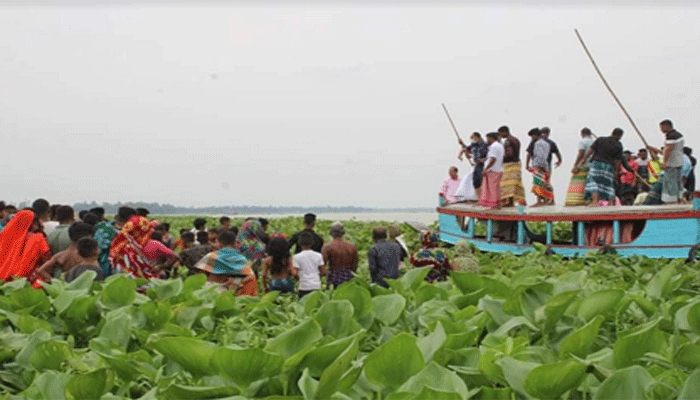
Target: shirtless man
[[339, 256], [68, 258]]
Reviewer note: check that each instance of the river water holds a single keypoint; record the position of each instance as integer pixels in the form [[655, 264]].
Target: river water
[[423, 217]]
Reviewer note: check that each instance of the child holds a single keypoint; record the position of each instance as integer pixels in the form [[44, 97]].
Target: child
[[69, 258], [88, 251], [309, 265], [279, 265]]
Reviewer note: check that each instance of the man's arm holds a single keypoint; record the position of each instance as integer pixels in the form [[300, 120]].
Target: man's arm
[[527, 161], [47, 268], [354, 258], [492, 161], [558, 163]]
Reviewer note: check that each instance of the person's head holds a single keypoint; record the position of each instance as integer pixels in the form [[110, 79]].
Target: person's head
[[585, 132], [225, 221], [187, 238], [41, 209], [666, 126], [309, 220], [124, 214], [213, 236], [99, 211], [535, 133], [142, 212], [234, 229], [688, 151], [627, 154], [10, 209], [202, 237], [454, 172], [491, 137], [52, 211], [80, 229], [379, 233], [2, 209], [264, 223], [88, 249], [226, 238], [164, 227], [394, 231], [642, 154], [81, 214], [200, 224], [305, 240], [278, 249], [157, 235], [503, 132], [476, 137], [544, 131], [617, 133], [337, 230], [90, 218], [65, 215]]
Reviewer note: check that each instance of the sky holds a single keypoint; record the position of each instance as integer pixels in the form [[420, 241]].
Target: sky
[[310, 105]]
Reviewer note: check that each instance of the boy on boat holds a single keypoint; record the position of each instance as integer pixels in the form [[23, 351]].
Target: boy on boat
[[449, 187]]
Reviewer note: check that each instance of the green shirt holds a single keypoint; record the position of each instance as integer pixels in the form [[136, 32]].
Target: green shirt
[[59, 239]]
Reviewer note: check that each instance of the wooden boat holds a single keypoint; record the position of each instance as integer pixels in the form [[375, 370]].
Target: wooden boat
[[664, 231]]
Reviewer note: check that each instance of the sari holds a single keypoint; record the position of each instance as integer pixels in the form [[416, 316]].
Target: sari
[[540, 184], [228, 261], [248, 243], [431, 256], [512, 189], [20, 250], [104, 234], [126, 252], [577, 187]]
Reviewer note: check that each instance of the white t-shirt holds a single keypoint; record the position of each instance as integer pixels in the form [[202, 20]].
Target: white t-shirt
[[496, 151], [50, 226], [308, 262]]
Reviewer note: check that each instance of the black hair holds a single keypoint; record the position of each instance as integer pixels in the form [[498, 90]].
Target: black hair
[[2, 205], [87, 247], [504, 128], [226, 237], [52, 210], [667, 122], [157, 235], [305, 239], [618, 132], [687, 151], [477, 134], [203, 237], [586, 131], [90, 218], [642, 150], [80, 229], [125, 213], [142, 212], [379, 233], [40, 207], [99, 211], [10, 207], [65, 214], [224, 219], [309, 218], [544, 129], [265, 222], [82, 213], [278, 249], [199, 223], [234, 229], [534, 132], [187, 237], [166, 226], [492, 135]]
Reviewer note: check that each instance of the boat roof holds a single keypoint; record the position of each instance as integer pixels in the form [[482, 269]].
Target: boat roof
[[580, 213]]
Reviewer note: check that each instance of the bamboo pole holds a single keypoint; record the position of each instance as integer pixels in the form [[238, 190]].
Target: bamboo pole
[[459, 139]]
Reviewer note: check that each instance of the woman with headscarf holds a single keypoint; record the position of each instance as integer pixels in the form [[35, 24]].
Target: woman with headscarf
[[431, 256], [248, 243], [22, 246], [126, 252], [228, 268]]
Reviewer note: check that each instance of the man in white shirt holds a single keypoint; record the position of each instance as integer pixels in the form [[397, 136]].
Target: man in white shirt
[[309, 265], [493, 172], [449, 187]]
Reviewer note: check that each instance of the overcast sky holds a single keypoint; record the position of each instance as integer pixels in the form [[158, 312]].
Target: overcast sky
[[219, 105]]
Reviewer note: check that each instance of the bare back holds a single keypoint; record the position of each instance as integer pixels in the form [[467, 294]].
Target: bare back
[[340, 254]]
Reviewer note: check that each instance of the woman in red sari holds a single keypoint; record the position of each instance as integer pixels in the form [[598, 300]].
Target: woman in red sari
[[22, 246], [126, 252]]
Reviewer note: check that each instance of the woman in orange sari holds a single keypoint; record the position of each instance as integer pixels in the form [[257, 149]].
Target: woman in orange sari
[[126, 252], [22, 246]]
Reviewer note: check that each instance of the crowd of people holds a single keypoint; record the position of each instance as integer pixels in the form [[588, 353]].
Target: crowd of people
[[603, 173], [46, 242]]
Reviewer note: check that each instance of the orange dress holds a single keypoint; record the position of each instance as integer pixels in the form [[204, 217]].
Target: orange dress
[[20, 250]]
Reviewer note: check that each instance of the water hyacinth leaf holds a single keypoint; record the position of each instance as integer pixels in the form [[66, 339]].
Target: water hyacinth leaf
[[336, 318], [494, 307], [515, 372], [338, 376], [600, 303], [628, 383], [688, 355], [193, 355], [26, 323], [28, 300], [556, 306], [692, 316], [245, 366], [117, 328], [691, 388], [489, 393], [307, 385], [89, 386], [431, 343], [225, 305], [357, 295], [165, 289], [435, 377], [49, 385], [119, 291], [552, 380], [194, 282], [50, 354], [394, 362], [388, 308], [634, 343], [321, 357], [82, 282], [23, 358], [157, 314], [580, 341], [297, 339], [660, 284], [428, 292], [467, 282], [414, 277], [183, 392]]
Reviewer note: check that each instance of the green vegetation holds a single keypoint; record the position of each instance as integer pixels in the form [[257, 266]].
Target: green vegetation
[[534, 326]]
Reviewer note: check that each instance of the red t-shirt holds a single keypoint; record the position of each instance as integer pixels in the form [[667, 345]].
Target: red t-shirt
[[628, 176], [155, 250]]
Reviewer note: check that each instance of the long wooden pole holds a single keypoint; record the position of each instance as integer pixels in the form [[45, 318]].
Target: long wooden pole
[[452, 123], [590, 57]]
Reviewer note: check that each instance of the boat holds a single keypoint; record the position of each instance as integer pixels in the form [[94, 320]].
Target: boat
[[664, 231]]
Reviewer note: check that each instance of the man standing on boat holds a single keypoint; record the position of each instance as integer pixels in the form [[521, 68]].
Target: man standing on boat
[[553, 149], [672, 162], [477, 150], [493, 171], [606, 152], [512, 190], [537, 152]]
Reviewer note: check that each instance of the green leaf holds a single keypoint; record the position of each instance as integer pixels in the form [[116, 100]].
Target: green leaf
[[688, 355], [600, 303], [165, 289], [516, 371], [337, 318], [119, 291], [50, 354], [388, 308], [307, 385], [338, 376], [246, 366], [414, 277], [688, 317], [435, 377], [321, 357], [83, 282], [659, 285], [552, 380], [394, 362], [297, 339], [629, 383], [556, 306], [431, 343], [117, 328], [183, 392], [634, 343], [193, 355], [691, 388], [357, 295], [49, 385], [467, 282], [157, 314], [89, 386], [580, 341], [27, 324]]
